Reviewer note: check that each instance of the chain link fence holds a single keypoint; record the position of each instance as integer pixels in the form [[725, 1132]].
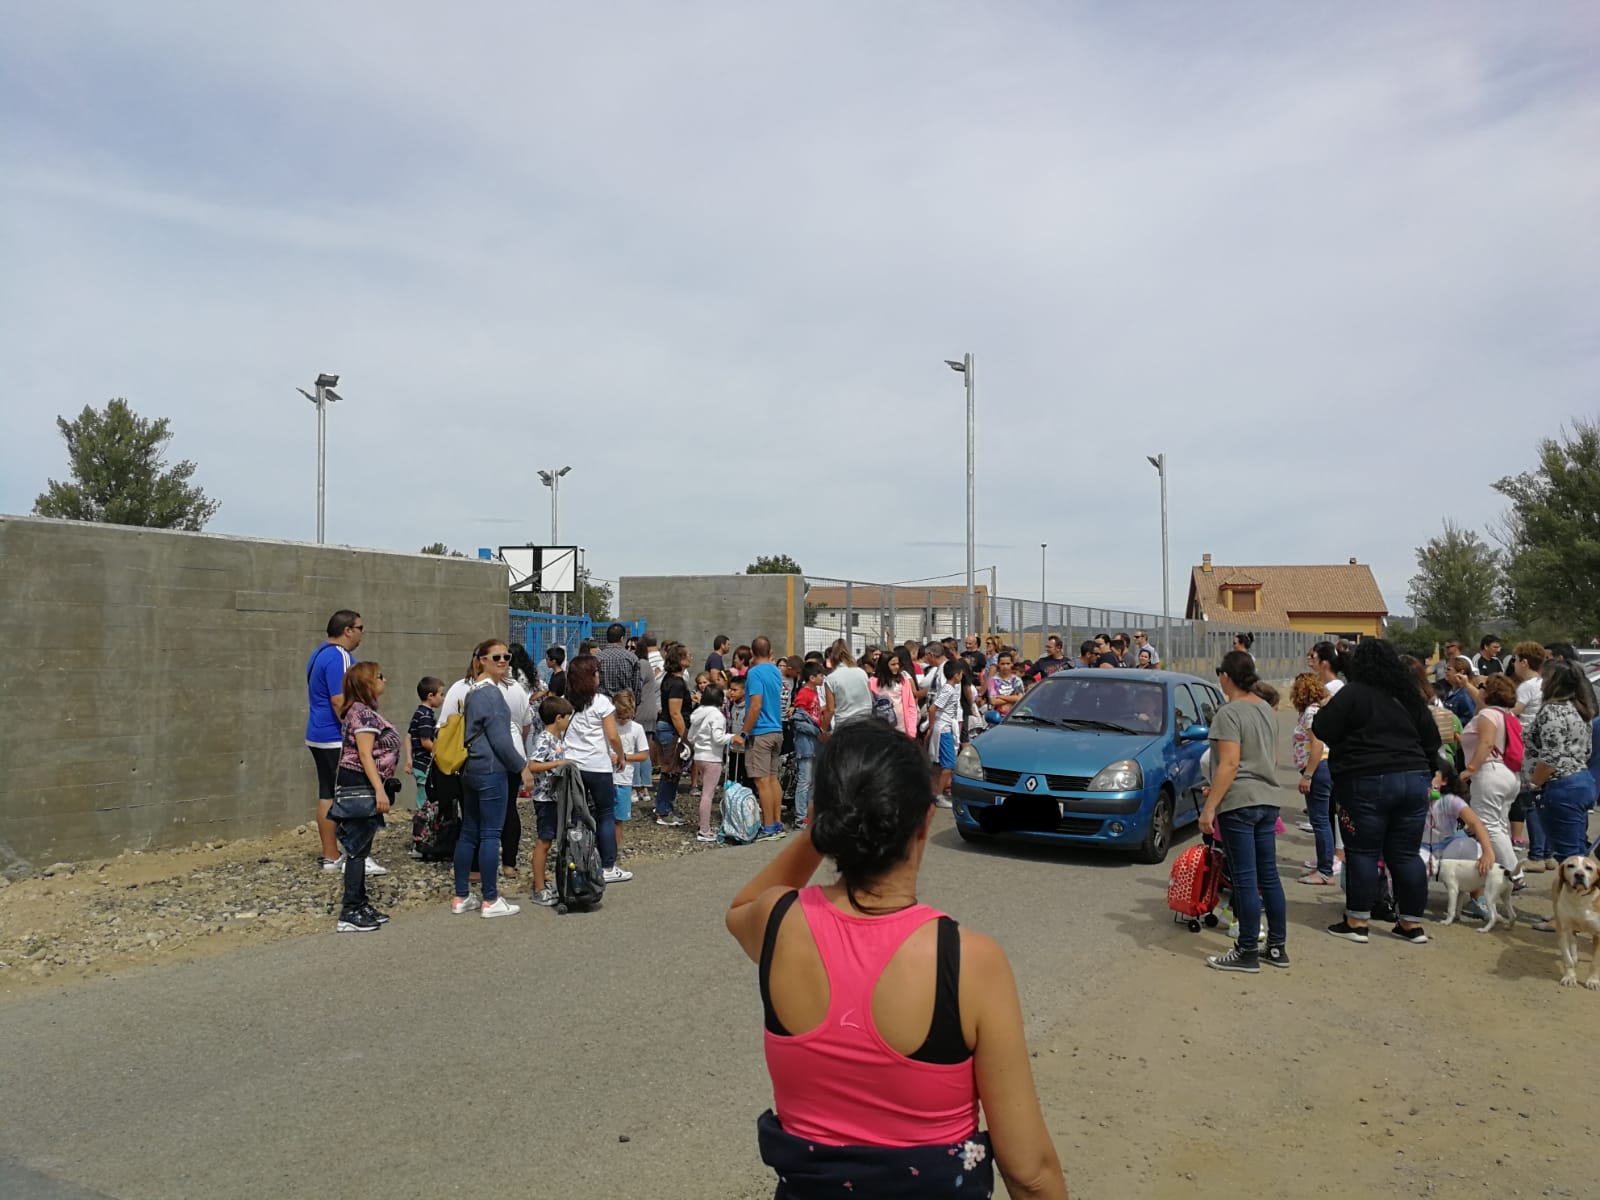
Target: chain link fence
[[886, 614]]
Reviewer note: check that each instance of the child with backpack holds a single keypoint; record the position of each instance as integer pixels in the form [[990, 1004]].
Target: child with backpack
[[708, 739], [555, 714], [733, 713]]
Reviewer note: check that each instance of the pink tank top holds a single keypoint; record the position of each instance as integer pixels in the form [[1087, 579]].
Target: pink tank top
[[841, 1084]]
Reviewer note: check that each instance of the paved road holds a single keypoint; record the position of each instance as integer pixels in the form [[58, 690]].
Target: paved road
[[451, 1055]]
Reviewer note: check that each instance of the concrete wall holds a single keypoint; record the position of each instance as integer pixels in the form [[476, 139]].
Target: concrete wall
[[695, 608], [154, 682]]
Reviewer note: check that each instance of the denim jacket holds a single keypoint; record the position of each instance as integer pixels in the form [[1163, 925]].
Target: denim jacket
[[806, 734]]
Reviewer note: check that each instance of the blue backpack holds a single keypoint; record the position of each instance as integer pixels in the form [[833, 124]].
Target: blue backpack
[[741, 814]]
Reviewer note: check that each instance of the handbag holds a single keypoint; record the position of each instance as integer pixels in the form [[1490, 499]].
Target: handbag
[[355, 802]]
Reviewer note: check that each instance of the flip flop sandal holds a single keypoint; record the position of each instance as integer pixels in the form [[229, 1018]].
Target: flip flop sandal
[[1316, 879]]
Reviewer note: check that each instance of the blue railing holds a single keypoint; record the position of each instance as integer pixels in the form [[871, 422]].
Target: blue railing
[[538, 631]]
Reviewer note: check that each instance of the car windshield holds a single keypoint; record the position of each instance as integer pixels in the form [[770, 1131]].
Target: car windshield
[[1114, 705]]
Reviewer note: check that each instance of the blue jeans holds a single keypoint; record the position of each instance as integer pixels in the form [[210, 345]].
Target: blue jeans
[[602, 789], [1566, 804], [802, 787], [1321, 816], [1538, 840], [1388, 814], [483, 815], [1252, 849]]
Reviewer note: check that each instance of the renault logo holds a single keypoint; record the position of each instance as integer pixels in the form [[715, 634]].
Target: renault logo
[[1033, 783]]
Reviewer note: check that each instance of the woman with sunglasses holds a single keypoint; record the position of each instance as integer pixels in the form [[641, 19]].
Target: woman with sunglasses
[[368, 755], [493, 754]]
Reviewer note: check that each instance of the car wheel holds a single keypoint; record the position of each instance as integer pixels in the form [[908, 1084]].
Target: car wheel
[[1159, 837], [970, 835]]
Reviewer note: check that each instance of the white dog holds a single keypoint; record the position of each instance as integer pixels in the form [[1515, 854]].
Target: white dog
[[1576, 899], [1461, 875]]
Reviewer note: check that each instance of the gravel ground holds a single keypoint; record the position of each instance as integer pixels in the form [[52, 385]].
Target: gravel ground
[[75, 920]]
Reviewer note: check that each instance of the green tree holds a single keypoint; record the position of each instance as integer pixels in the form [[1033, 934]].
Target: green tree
[[775, 564], [442, 550], [120, 476], [1553, 528], [1454, 587]]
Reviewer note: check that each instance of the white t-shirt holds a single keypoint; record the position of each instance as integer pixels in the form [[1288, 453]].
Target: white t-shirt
[[944, 705], [631, 734], [1530, 694], [454, 697], [1333, 686], [852, 698], [586, 736], [516, 700]]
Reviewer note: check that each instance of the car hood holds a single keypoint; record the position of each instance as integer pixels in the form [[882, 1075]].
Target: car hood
[[1045, 750]]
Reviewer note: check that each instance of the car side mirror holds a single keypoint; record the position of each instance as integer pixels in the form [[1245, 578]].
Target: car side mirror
[[1194, 733], [993, 717]]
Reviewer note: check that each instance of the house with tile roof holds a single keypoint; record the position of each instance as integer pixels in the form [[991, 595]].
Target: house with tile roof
[[1342, 598]]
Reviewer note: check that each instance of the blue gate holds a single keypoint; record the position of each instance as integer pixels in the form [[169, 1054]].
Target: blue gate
[[538, 631]]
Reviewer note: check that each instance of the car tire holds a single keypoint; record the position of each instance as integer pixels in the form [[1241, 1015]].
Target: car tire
[[1158, 838]]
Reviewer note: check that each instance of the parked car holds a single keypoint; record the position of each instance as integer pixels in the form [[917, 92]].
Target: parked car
[[1100, 758]]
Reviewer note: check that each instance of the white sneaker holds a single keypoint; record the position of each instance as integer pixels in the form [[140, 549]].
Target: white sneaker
[[333, 864], [705, 837], [616, 875], [1307, 827], [500, 909], [373, 868], [463, 904], [944, 802]]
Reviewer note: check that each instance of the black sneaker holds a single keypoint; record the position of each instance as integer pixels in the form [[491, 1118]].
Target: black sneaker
[[1348, 932], [1276, 956], [1417, 936], [1246, 961], [381, 917], [361, 921]]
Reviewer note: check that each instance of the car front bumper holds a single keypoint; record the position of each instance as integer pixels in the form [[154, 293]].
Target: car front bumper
[[1107, 819]]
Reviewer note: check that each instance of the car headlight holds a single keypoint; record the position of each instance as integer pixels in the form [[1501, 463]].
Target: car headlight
[[967, 764], [1124, 776]]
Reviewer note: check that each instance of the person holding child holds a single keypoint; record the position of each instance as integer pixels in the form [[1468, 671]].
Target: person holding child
[[369, 753]]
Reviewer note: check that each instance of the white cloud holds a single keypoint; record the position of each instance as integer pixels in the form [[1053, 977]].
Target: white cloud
[[713, 256]]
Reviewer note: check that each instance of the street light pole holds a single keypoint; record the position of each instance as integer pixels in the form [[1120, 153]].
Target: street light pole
[[325, 395], [1159, 462], [968, 368], [1043, 617], [552, 480]]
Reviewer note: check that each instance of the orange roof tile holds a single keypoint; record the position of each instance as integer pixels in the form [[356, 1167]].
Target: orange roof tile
[[1342, 589]]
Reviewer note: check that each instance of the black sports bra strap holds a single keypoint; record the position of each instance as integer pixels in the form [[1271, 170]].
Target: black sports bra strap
[[945, 1042], [768, 942]]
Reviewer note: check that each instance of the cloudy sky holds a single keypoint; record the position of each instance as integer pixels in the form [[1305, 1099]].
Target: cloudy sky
[[1338, 261]]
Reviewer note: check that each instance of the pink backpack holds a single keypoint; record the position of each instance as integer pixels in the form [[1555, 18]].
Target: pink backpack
[[1513, 754]]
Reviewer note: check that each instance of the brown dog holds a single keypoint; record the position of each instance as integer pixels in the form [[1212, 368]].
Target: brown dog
[[1575, 898]]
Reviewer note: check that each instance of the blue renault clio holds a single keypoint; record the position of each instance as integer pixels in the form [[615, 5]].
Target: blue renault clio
[[1091, 757]]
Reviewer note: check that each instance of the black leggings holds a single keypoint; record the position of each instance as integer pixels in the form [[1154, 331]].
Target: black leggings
[[511, 831]]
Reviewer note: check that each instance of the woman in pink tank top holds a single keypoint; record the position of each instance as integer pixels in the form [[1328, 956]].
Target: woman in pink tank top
[[871, 1096]]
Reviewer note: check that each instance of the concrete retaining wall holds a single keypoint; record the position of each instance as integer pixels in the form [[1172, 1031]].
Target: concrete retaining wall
[[694, 609], [154, 682]]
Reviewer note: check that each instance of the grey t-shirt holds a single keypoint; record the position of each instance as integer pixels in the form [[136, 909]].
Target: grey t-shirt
[[1254, 726]]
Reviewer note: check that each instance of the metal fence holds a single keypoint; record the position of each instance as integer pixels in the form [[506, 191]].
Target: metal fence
[[538, 631], [873, 614]]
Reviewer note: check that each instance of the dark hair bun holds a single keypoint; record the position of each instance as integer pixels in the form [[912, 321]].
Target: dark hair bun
[[871, 796]]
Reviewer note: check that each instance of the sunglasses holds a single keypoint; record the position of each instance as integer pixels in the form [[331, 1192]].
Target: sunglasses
[[496, 657], [381, 679], [359, 628]]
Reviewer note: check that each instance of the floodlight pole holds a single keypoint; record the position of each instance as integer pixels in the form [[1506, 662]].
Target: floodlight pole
[[968, 369], [325, 395], [1159, 462], [552, 480]]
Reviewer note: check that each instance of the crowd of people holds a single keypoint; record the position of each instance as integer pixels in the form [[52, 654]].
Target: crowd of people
[[1403, 767], [641, 730]]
